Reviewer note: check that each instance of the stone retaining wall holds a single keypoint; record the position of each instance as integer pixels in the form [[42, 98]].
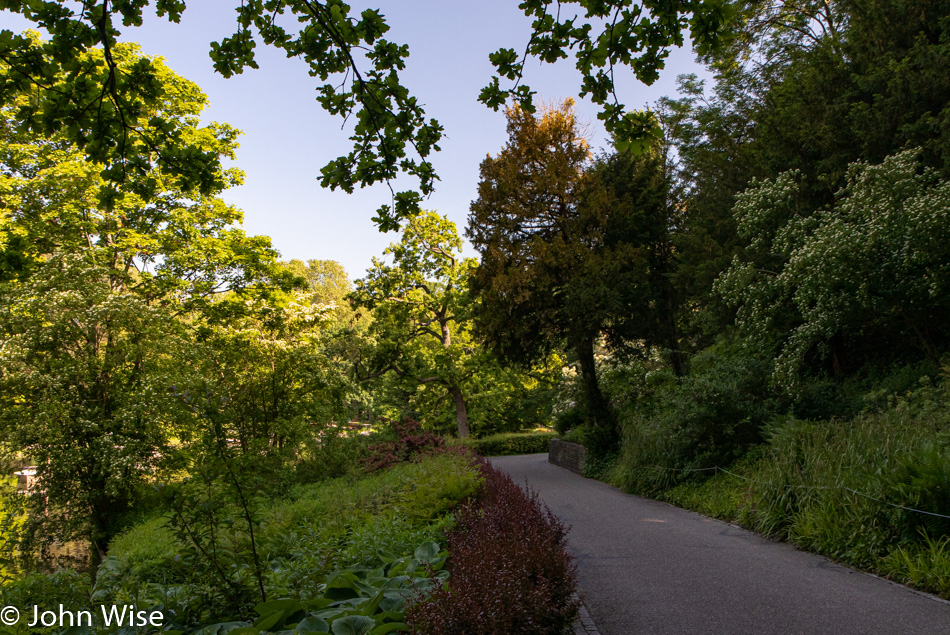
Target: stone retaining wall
[[567, 455]]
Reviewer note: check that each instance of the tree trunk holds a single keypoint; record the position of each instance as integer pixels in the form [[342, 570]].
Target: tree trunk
[[676, 359], [461, 412], [838, 355], [103, 512], [595, 399], [669, 310], [673, 343]]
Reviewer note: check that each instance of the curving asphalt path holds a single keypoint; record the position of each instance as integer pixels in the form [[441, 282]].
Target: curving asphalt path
[[649, 567]]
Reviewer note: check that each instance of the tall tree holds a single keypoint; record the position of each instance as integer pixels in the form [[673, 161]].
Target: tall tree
[[829, 289], [84, 396], [421, 311], [90, 312], [156, 236], [525, 224], [267, 376], [630, 199], [327, 283], [571, 249], [326, 280], [708, 136], [805, 86]]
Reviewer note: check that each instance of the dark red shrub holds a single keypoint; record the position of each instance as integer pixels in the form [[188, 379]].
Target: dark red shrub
[[510, 570], [412, 443]]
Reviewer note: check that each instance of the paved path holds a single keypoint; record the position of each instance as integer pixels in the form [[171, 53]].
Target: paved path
[[649, 567]]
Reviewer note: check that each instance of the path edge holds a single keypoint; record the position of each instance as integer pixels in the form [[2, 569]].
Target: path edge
[[584, 624], [907, 587]]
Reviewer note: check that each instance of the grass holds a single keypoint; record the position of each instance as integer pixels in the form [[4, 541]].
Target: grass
[[722, 496], [410, 495], [925, 566]]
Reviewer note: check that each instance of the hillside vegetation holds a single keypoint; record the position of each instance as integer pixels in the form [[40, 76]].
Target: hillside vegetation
[[741, 305]]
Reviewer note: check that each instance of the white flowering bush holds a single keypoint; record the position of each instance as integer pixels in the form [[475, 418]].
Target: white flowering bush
[[876, 264]]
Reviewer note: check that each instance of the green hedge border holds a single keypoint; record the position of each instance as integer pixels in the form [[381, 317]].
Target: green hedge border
[[511, 443]]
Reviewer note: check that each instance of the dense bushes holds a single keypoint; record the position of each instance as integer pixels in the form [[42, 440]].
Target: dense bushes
[[506, 444], [411, 443], [64, 587], [333, 453], [351, 554], [708, 417], [510, 572]]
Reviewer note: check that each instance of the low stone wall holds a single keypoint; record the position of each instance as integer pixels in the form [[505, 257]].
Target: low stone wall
[[567, 455]]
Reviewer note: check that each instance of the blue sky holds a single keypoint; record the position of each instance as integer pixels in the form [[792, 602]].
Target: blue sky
[[288, 138]]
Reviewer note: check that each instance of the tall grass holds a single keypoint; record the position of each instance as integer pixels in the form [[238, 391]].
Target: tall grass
[[805, 489], [843, 488]]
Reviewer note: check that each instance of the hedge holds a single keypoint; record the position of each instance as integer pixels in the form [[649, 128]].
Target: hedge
[[511, 443]]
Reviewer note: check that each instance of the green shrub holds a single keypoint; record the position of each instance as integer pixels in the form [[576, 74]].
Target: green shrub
[[711, 417], [333, 454], [720, 497], [575, 435], [12, 518], [149, 544], [360, 600], [66, 587], [570, 419], [599, 466], [872, 390], [645, 451], [509, 401]]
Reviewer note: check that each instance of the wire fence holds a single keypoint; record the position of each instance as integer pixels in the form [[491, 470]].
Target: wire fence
[[828, 487]]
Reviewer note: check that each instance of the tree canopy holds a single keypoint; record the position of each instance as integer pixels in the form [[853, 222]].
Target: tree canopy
[[605, 36], [421, 310], [105, 285], [572, 249], [94, 102]]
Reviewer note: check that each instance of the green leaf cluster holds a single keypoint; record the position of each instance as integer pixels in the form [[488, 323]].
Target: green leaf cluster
[[605, 36], [80, 86]]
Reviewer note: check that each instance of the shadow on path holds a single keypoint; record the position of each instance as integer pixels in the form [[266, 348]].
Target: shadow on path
[[649, 567]]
